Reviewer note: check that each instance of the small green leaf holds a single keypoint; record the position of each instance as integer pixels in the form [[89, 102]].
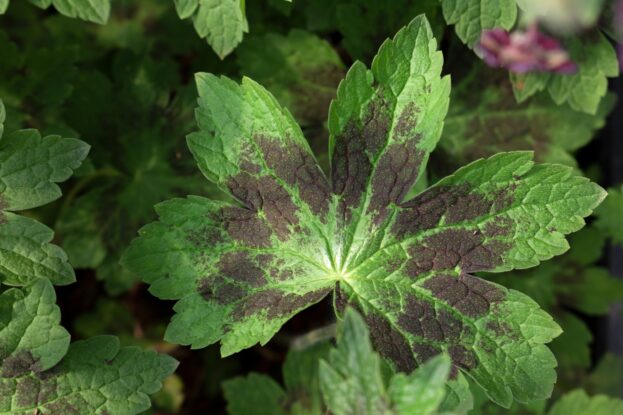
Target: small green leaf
[[30, 167], [26, 253], [3, 6], [256, 394], [31, 338], [351, 378], [579, 403], [96, 376], [583, 91], [610, 215], [572, 349], [471, 17], [221, 22]]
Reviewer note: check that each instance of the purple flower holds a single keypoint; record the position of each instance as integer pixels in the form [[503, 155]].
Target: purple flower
[[524, 51]]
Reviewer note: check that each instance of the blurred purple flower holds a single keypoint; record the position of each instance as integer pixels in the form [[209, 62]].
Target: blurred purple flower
[[524, 51]]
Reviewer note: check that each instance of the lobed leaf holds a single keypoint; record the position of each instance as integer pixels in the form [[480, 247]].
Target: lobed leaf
[[241, 270], [96, 376], [31, 338]]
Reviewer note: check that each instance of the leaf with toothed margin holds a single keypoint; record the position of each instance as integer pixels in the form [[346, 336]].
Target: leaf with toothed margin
[[471, 17], [95, 377], [352, 381], [30, 168], [221, 22], [484, 118], [31, 337], [241, 270], [96, 11]]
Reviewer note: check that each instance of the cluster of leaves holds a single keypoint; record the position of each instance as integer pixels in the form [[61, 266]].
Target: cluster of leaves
[[40, 371], [276, 236]]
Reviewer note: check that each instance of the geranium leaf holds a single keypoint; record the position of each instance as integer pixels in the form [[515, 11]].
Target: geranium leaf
[[241, 270]]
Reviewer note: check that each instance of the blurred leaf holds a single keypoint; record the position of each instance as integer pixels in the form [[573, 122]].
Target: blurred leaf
[[582, 91], [260, 394], [484, 119], [352, 383], [579, 403], [610, 215], [300, 69]]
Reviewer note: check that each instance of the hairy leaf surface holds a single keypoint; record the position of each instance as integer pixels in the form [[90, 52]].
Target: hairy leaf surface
[[95, 377], [241, 270], [31, 338], [96, 11]]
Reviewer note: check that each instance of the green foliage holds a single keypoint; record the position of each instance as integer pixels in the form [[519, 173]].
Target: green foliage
[[578, 402], [30, 329], [352, 380], [260, 394], [96, 11], [582, 91], [484, 119], [610, 216], [301, 70], [240, 273], [30, 168], [96, 376], [571, 282], [471, 17], [221, 22]]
